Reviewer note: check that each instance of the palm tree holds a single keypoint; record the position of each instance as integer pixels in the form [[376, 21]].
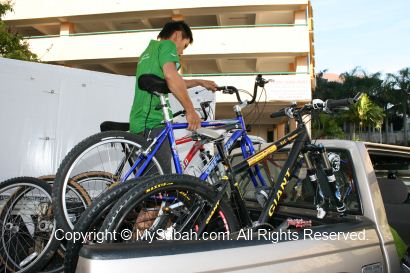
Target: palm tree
[[366, 112], [400, 85]]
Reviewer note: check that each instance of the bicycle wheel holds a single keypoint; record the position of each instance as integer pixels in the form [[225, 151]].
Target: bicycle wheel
[[80, 199], [92, 219], [27, 225], [55, 265], [170, 203], [97, 163]]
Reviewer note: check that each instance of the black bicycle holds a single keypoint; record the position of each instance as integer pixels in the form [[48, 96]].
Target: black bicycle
[[166, 205]]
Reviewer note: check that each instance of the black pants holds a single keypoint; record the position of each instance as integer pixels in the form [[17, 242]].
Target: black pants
[[164, 152]]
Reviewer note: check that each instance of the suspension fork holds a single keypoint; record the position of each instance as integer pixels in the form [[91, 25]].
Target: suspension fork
[[312, 175], [331, 179]]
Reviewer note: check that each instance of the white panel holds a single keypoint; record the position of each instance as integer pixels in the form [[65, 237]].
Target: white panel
[[89, 98], [28, 118], [45, 110]]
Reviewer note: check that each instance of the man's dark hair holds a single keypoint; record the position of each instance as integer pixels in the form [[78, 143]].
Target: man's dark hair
[[170, 27]]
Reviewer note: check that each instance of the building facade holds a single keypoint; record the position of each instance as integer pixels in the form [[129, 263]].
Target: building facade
[[233, 42]]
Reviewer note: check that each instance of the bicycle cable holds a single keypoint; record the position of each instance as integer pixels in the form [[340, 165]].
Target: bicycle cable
[[257, 110]]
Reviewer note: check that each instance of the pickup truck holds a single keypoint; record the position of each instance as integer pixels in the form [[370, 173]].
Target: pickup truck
[[370, 177]]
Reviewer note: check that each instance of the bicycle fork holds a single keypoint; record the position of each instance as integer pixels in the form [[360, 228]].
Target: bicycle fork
[[331, 179], [312, 175]]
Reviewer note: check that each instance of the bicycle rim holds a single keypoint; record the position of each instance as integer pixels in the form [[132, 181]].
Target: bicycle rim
[[27, 226]]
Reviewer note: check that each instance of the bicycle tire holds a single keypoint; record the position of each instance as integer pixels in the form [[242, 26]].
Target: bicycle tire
[[75, 183], [23, 186], [55, 265], [111, 140], [90, 218], [187, 186]]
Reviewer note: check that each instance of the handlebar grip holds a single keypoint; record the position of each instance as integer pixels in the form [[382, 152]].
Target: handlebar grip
[[280, 113], [227, 89], [182, 112], [339, 103], [221, 88]]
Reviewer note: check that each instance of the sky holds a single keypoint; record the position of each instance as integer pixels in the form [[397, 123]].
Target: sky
[[372, 34]]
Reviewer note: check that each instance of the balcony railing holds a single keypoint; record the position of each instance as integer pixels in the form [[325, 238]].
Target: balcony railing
[[158, 29]]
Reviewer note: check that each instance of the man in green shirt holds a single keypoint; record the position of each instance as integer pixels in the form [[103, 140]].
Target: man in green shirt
[[161, 58]]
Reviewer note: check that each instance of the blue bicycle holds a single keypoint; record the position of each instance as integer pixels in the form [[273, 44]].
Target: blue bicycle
[[110, 157]]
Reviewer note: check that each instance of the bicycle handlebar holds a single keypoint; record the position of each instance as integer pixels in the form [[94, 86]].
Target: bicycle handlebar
[[317, 104], [280, 113], [330, 104], [259, 82], [230, 90]]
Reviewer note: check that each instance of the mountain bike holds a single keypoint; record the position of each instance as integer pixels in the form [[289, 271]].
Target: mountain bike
[[124, 155], [179, 203]]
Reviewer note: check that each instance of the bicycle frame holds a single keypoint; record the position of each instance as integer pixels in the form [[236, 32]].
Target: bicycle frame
[[168, 132], [298, 137], [197, 146]]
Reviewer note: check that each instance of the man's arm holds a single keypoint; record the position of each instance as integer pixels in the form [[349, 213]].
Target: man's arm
[[191, 83], [210, 85], [178, 87]]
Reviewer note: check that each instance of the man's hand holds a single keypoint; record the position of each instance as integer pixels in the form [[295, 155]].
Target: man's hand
[[194, 120], [210, 85]]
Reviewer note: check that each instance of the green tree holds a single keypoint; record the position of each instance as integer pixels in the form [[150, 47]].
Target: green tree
[[365, 113], [12, 44], [358, 80], [368, 113], [399, 87], [326, 126]]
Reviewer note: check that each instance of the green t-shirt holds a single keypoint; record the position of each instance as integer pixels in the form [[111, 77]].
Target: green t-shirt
[[143, 114]]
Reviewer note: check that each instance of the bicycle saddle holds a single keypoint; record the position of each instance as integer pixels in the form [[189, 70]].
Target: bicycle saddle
[[114, 126], [152, 83]]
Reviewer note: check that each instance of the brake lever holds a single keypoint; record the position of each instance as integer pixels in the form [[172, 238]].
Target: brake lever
[[261, 81]]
